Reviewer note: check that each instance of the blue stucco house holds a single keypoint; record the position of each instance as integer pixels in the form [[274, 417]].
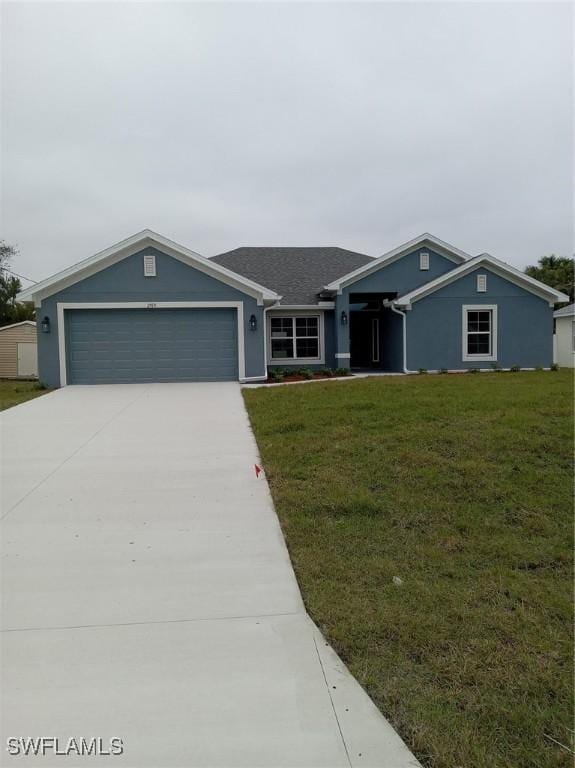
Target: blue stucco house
[[148, 309]]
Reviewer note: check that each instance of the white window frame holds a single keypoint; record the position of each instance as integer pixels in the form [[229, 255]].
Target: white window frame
[[492, 357], [295, 360], [424, 261], [149, 265], [481, 283]]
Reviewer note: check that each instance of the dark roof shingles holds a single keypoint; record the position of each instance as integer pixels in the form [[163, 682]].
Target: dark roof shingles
[[297, 274]]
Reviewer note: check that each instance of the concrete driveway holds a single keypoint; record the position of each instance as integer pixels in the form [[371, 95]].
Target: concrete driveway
[[147, 593]]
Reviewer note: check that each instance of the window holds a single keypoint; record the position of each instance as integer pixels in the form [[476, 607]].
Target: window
[[573, 336], [149, 265], [295, 338], [424, 261], [481, 283], [480, 332]]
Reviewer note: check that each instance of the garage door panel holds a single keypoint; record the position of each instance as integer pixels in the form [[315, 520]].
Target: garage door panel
[[139, 345]]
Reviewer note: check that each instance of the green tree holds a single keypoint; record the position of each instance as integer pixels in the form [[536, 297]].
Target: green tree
[[556, 271], [11, 311]]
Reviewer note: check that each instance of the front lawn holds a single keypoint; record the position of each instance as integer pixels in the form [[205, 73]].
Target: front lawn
[[429, 521], [13, 392]]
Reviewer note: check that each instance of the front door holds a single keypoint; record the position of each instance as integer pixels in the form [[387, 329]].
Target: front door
[[365, 339]]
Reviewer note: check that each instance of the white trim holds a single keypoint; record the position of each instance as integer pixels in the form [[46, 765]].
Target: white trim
[[466, 357], [441, 247], [295, 360], [498, 267], [61, 307], [129, 247], [322, 306], [481, 283], [343, 355], [14, 325], [424, 261]]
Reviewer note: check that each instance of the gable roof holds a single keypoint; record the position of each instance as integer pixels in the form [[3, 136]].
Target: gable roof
[[425, 240], [498, 267], [567, 311], [132, 245], [14, 325], [298, 274]]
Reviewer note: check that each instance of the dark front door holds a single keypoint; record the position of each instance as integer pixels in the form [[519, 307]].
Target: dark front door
[[365, 339]]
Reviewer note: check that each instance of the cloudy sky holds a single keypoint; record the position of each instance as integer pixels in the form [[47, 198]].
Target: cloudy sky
[[351, 124]]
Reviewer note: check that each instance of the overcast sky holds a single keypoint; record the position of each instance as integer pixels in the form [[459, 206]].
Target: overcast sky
[[220, 125]]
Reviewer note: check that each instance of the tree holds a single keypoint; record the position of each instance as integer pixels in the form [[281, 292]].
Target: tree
[[556, 271], [11, 311]]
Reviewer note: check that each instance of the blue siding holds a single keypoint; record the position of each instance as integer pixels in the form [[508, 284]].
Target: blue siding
[[403, 275], [125, 281], [525, 325]]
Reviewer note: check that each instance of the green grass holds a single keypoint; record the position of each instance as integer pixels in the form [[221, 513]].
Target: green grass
[[13, 392], [461, 486]]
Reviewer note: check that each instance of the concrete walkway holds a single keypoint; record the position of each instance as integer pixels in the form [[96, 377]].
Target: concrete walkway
[[147, 593]]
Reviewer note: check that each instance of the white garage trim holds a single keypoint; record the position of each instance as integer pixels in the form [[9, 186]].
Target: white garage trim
[[63, 306]]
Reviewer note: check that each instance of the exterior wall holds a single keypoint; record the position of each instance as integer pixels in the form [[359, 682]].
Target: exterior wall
[[524, 326], [400, 277], [125, 281], [9, 340], [403, 275], [564, 328]]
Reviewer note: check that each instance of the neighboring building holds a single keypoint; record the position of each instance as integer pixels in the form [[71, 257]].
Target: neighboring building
[[18, 351], [565, 336], [148, 309]]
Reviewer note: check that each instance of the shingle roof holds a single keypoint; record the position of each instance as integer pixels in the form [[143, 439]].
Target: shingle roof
[[565, 311], [297, 274]]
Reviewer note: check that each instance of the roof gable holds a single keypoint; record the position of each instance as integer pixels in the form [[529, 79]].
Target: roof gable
[[15, 325], [439, 246], [129, 247], [568, 311], [501, 269]]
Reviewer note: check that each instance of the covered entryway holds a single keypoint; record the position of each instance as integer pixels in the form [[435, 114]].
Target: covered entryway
[[151, 345], [375, 333]]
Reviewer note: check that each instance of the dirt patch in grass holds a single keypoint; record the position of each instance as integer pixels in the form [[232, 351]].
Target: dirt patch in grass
[[461, 486]]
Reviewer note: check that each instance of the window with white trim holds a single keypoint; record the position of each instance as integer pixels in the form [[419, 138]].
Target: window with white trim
[[481, 283], [149, 265], [294, 338], [479, 332], [423, 261]]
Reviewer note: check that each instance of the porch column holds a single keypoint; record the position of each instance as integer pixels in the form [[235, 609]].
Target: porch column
[[342, 356]]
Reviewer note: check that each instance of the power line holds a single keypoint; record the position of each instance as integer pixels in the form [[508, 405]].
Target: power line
[[5, 269]]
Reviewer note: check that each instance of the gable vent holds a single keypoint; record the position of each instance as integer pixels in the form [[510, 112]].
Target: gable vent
[[481, 283], [424, 261], [149, 265]]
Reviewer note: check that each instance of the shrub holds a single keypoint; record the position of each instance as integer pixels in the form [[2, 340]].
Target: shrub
[[443, 370], [277, 374], [473, 370], [342, 371], [326, 372], [422, 370], [554, 367], [515, 368], [307, 373]]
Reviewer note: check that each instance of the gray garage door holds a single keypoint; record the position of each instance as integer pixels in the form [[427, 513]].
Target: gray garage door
[[139, 345]]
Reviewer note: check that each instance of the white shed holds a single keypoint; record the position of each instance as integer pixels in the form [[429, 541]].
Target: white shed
[[565, 336], [18, 351]]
